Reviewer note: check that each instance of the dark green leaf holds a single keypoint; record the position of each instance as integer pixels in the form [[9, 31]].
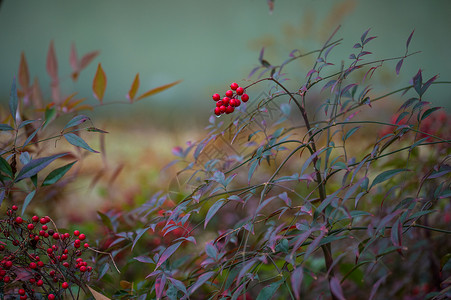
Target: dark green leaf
[[428, 112], [105, 219], [5, 127], [13, 100], [78, 141], [49, 115], [386, 175], [36, 165], [57, 174], [212, 211], [77, 120], [268, 291], [6, 168], [25, 123]]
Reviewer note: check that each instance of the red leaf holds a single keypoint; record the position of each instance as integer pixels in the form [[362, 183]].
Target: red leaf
[[73, 59], [99, 83], [87, 58], [296, 280], [24, 76], [52, 63], [133, 89]]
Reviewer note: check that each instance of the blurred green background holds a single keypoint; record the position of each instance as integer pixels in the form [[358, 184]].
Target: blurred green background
[[210, 43]]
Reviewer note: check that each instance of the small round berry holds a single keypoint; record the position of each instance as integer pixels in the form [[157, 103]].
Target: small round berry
[[64, 285], [43, 220], [240, 91], [219, 103], [46, 235], [56, 236], [225, 101], [217, 111], [51, 297], [19, 220], [33, 265], [35, 218], [14, 207], [76, 232], [21, 292], [89, 269], [8, 264], [244, 97], [229, 93], [64, 256], [45, 227], [83, 269], [51, 232], [49, 250], [234, 86], [23, 297], [216, 97], [66, 264], [39, 282], [66, 235], [30, 226], [86, 245], [222, 109], [40, 264], [229, 109], [47, 219], [32, 280], [6, 279]]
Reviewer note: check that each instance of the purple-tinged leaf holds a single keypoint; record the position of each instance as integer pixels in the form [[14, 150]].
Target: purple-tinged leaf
[[386, 175], [363, 37], [428, 112], [399, 65], [13, 100], [144, 259], [418, 82], [386, 219], [326, 53], [188, 239], [328, 84], [357, 46], [285, 198], [346, 88], [315, 243], [77, 120], [245, 269], [211, 251], [310, 72], [396, 234], [427, 84], [352, 56], [336, 289], [179, 285], [301, 239], [409, 39], [2, 196], [202, 279], [212, 211], [401, 116], [78, 142], [27, 200], [369, 39], [268, 291], [408, 103], [263, 204], [36, 165], [252, 170], [253, 71], [167, 253], [363, 53], [178, 151], [260, 57], [103, 271], [310, 159], [160, 282], [377, 284], [350, 132], [296, 281]]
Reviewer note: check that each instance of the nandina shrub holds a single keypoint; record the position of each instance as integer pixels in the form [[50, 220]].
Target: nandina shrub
[[301, 195]]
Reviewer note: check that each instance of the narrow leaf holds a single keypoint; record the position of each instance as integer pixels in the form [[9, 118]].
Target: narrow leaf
[[139, 234], [87, 58], [5, 127], [52, 63], [24, 75], [78, 141], [133, 89], [57, 174], [77, 120], [212, 211], [27, 200], [336, 289], [97, 295], [296, 281], [5, 167], [13, 100], [386, 175], [73, 59], [202, 279], [99, 83], [167, 253], [268, 291], [399, 65], [428, 112], [158, 90], [409, 39], [36, 165]]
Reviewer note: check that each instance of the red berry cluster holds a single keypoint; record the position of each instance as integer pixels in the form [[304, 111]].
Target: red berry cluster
[[42, 261], [227, 104]]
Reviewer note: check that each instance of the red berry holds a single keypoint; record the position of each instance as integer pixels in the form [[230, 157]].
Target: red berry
[[6, 279], [47, 219], [66, 264], [217, 111], [49, 250], [8, 264], [64, 285], [222, 109], [30, 226], [56, 236], [64, 256], [66, 235], [32, 280], [51, 297], [21, 292], [19, 220], [237, 102], [33, 265], [76, 232], [234, 86], [23, 297], [82, 269], [240, 91], [39, 282], [43, 220], [40, 264], [244, 97], [86, 245], [35, 218], [216, 97], [89, 269], [229, 93], [219, 103], [44, 227], [14, 207], [225, 101], [229, 109]]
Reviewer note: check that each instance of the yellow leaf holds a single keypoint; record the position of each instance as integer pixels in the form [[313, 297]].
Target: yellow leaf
[[97, 295], [158, 89], [24, 77], [133, 89], [99, 83], [125, 284]]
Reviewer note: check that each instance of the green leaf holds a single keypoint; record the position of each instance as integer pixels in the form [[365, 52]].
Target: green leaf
[[6, 168], [5, 127], [57, 174], [49, 115], [386, 175], [428, 112], [105, 220], [268, 291], [350, 132], [28, 200], [77, 120], [36, 165], [13, 100], [78, 141], [212, 211]]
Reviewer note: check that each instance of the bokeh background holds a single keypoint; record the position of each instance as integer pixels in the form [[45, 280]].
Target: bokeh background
[[210, 43]]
